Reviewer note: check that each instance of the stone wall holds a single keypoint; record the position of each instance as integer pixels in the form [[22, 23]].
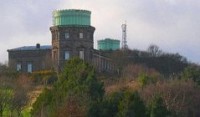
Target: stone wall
[[67, 38], [40, 59]]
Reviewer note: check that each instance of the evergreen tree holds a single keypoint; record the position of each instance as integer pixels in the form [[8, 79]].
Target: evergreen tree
[[192, 72], [157, 108], [76, 90], [131, 106]]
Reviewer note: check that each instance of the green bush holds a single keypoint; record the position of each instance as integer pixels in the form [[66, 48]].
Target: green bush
[[157, 108], [76, 89]]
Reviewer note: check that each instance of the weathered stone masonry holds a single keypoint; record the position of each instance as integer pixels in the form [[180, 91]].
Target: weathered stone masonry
[[30, 58], [72, 40], [72, 36]]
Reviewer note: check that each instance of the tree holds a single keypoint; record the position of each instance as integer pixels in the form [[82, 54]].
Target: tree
[[5, 99], [154, 51], [180, 97], [131, 106], [157, 108], [19, 101], [108, 107], [79, 76], [80, 81], [45, 102], [191, 72], [73, 94], [145, 79], [13, 94]]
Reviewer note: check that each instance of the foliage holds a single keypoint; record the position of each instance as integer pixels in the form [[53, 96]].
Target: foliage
[[13, 94], [76, 89], [154, 51], [44, 77], [131, 105], [108, 107], [180, 97], [145, 79], [5, 71], [42, 101], [166, 64], [112, 103], [157, 108], [133, 71], [5, 99], [120, 104], [80, 76], [191, 72]]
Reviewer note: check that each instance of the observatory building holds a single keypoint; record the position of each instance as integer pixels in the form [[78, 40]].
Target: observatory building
[[72, 36]]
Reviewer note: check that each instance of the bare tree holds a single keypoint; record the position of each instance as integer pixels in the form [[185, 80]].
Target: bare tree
[[180, 97], [20, 98], [154, 50]]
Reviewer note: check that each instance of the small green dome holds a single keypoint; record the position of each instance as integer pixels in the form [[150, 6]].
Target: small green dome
[[108, 44], [71, 17]]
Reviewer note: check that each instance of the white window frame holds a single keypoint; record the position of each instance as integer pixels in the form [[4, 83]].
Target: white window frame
[[66, 35], [19, 66], [81, 35], [66, 55], [29, 67], [81, 54]]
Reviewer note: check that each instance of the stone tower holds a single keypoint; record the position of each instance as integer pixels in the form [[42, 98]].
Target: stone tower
[[72, 36]]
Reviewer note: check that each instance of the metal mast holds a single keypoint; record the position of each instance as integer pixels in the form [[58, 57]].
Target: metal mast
[[124, 41]]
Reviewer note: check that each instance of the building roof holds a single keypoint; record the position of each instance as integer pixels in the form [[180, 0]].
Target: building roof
[[44, 47], [109, 40]]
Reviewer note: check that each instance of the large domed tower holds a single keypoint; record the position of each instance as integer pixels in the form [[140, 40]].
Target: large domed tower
[[72, 35]]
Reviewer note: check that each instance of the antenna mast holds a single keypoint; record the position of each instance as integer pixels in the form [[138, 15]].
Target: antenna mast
[[124, 41]]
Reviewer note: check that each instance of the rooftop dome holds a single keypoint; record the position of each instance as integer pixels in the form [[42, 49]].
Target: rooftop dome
[[71, 17]]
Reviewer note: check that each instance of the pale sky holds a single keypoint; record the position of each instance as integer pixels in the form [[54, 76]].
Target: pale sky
[[173, 25]]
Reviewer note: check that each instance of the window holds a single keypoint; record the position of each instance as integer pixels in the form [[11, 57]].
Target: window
[[19, 67], [66, 35], [66, 55], [80, 35], [29, 68], [81, 54]]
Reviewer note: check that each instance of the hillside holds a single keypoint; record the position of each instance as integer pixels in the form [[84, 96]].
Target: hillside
[[148, 83]]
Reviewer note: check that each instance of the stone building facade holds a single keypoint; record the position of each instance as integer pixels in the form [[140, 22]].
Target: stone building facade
[[30, 58], [71, 41], [72, 36]]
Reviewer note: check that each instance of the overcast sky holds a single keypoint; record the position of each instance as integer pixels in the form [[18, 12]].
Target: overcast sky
[[173, 25]]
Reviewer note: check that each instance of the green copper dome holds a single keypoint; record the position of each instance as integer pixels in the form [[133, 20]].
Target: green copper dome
[[71, 17], [108, 44]]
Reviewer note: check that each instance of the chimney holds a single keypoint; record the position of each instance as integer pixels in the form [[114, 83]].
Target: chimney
[[38, 46]]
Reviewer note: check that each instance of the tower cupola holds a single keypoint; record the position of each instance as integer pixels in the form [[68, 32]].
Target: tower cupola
[[71, 17]]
